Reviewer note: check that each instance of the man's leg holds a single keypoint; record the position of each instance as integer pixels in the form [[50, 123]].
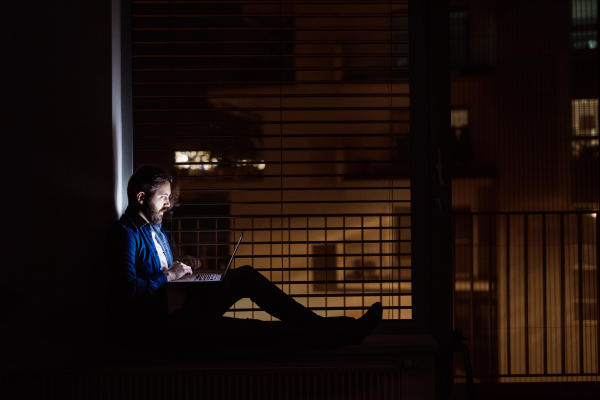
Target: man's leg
[[213, 332], [246, 282]]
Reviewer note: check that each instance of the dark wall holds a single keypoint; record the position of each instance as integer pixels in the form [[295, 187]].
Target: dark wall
[[58, 201]]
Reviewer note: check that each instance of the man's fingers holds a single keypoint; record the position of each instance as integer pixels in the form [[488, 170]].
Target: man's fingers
[[181, 269]]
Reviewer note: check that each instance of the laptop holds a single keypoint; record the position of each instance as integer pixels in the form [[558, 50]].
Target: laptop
[[210, 275]]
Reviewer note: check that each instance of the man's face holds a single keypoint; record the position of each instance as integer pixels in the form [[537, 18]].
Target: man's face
[[155, 206]]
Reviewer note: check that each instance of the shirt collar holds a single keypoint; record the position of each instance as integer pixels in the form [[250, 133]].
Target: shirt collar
[[136, 218]]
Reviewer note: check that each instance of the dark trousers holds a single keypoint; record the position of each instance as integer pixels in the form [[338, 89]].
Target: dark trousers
[[201, 317]]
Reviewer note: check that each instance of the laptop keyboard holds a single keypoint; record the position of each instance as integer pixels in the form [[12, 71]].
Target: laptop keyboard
[[208, 277]]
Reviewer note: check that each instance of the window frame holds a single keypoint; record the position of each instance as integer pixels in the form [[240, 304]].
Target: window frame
[[432, 278]]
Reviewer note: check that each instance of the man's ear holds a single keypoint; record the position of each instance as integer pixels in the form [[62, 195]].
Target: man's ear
[[141, 196]]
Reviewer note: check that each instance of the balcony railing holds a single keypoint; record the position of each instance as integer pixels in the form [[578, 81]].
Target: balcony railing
[[526, 295], [337, 264]]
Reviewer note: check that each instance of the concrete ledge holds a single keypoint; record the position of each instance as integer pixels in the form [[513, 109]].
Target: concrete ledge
[[373, 347], [383, 367]]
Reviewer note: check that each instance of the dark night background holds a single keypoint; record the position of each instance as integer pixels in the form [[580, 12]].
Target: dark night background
[[58, 155]]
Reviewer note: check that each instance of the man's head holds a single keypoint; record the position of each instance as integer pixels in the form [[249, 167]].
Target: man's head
[[148, 192]]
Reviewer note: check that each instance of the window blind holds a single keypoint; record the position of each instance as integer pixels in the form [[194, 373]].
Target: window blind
[[288, 121]]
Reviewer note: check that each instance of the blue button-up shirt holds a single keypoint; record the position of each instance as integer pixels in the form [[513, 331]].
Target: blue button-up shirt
[[135, 275]]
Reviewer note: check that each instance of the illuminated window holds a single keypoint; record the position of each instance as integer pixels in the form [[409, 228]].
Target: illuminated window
[[584, 12], [584, 119], [459, 118], [202, 162], [584, 17], [462, 152], [288, 122]]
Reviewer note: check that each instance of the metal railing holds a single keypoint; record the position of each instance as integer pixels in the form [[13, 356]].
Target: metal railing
[[334, 264], [526, 295]]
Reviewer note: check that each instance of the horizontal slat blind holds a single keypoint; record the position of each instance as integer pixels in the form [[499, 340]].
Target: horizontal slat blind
[[289, 121]]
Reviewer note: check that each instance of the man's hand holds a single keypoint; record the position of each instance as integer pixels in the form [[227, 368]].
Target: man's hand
[[193, 262], [177, 270]]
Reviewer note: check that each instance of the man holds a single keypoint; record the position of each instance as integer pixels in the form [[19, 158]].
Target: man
[[141, 264]]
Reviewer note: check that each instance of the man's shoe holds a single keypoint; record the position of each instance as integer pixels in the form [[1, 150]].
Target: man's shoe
[[365, 324]]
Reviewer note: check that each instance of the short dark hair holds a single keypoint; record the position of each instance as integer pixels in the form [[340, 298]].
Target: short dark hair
[[147, 179]]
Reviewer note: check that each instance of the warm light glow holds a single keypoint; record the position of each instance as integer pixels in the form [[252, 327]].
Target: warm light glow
[[584, 122], [459, 118], [202, 161], [193, 156]]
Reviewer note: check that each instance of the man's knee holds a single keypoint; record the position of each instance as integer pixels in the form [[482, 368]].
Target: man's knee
[[245, 270]]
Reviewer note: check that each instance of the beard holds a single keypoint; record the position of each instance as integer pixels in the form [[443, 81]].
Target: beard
[[152, 214]]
